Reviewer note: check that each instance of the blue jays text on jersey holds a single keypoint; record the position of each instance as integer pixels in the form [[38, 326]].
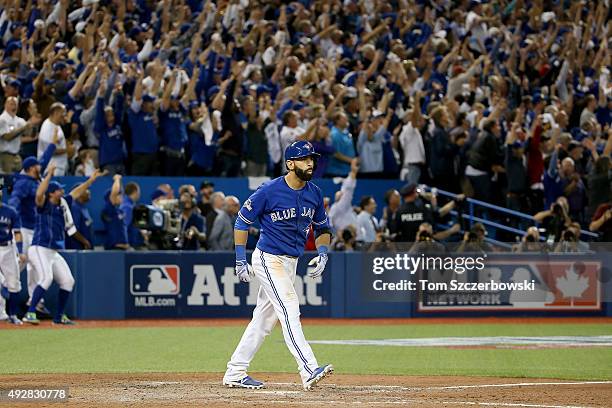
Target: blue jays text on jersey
[[24, 192], [285, 216], [9, 221]]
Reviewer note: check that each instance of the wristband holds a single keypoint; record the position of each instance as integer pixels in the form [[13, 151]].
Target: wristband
[[20, 247], [240, 252], [322, 249]]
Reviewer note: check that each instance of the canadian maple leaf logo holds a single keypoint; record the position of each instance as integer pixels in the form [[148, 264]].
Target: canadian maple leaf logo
[[572, 285]]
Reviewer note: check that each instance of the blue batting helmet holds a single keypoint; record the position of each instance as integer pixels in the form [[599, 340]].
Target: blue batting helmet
[[299, 150]]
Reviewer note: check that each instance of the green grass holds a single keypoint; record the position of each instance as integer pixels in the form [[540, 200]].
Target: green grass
[[207, 349]]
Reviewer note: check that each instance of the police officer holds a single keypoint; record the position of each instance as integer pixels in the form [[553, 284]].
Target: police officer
[[412, 213], [415, 211]]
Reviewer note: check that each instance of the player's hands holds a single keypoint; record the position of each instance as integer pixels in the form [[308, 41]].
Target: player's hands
[[51, 169], [22, 259], [244, 271], [97, 174], [319, 263]]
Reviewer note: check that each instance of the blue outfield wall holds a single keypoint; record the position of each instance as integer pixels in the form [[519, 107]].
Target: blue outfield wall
[[172, 284]]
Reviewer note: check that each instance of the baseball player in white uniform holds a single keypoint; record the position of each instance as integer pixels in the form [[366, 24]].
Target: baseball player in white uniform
[[9, 266], [53, 220], [286, 208]]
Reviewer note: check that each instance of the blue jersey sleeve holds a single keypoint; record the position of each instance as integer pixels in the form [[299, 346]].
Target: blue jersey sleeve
[[253, 206], [320, 220], [17, 195], [46, 157], [15, 220]]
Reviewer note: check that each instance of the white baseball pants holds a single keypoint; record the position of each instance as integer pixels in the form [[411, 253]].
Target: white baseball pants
[[9, 268], [26, 238], [9, 272], [276, 300], [50, 266]]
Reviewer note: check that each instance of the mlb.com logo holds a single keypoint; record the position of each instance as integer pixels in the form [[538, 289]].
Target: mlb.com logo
[[154, 280]]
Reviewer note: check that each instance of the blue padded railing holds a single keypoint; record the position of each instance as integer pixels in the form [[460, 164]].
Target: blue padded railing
[[474, 204]]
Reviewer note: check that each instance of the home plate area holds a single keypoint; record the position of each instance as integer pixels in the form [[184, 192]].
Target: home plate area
[[205, 389]]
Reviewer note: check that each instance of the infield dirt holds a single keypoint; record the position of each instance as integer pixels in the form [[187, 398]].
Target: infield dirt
[[282, 390]]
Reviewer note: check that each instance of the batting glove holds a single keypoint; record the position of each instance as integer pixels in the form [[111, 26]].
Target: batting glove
[[318, 262], [244, 271]]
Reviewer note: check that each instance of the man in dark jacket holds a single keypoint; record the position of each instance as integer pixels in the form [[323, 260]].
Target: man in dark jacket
[[443, 151], [484, 159]]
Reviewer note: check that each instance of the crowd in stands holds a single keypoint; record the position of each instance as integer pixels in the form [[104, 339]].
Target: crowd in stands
[[504, 101]]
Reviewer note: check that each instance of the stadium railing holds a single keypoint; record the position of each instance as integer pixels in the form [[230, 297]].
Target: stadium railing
[[481, 207]]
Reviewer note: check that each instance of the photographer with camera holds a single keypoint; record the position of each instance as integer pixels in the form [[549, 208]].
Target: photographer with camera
[[415, 211], [346, 239], [425, 241], [530, 241], [554, 220], [193, 229], [474, 240], [570, 240]]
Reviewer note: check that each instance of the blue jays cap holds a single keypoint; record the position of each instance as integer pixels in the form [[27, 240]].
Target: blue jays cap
[[299, 150], [29, 162], [148, 98], [54, 186]]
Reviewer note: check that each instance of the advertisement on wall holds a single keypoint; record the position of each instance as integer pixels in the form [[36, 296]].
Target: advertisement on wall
[[563, 285], [186, 284]]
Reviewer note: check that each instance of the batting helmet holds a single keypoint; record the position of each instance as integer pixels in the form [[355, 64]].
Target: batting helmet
[[299, 150]]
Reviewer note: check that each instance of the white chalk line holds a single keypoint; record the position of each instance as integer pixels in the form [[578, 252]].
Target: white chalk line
[[455, 387], [487, 341]]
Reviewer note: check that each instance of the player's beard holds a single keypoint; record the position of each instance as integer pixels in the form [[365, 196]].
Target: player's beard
[[303, 174]]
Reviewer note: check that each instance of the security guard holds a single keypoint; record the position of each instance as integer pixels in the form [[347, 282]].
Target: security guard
[[415, 211], [412, 213]]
